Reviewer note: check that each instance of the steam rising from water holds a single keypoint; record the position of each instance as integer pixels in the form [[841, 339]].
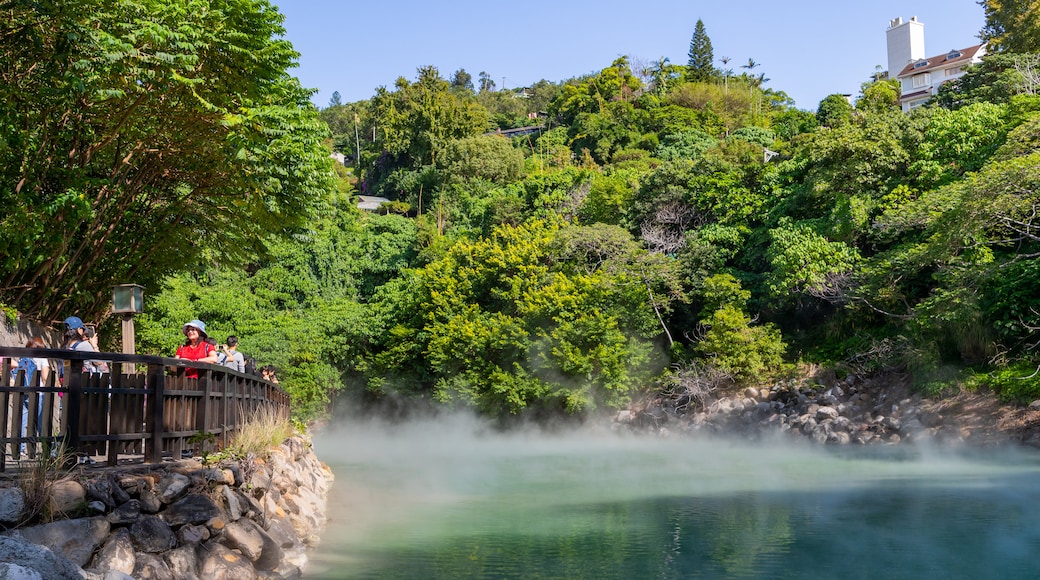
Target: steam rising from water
[[413, 483]]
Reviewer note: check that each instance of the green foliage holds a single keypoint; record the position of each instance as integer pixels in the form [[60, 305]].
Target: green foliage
[[802, 260], [131, 126], [757, 135], [417, 121], [500, 324], [994, 80], [747, 353], [609, 196], [685, 145], [834, 111], [879, 96], [486, 157], [789, 123], [592, 94], [959, 141], [1012, 25], [1016, 383]]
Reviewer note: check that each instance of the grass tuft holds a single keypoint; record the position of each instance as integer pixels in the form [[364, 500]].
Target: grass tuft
[[262, 431], [36, 477]]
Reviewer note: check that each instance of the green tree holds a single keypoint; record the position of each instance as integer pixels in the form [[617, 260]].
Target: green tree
[[879, 95], [700, 66], [414, 123], [834, 111], [1011, 25], [994, 80], [532, 317], [729, 341], [139, 135], [488, 157], [462, 80], [486, 83]]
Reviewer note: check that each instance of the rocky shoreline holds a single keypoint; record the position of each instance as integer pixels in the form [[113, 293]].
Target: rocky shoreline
[[855, 410], [179, 521]]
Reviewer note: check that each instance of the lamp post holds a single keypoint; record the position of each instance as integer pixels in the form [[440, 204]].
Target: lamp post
[[128, 299]]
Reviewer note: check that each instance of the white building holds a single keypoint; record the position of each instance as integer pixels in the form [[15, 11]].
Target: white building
[[920, 76]]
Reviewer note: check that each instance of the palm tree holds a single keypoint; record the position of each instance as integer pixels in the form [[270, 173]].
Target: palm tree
[[725, 74], [751, 64]]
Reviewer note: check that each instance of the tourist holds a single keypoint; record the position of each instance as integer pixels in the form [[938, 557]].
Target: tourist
[[33, 366], [268, 373], [229, 355], [196, 347], [76, 339], [96, 366]]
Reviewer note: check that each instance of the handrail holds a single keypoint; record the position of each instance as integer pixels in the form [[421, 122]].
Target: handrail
[[145, 405]]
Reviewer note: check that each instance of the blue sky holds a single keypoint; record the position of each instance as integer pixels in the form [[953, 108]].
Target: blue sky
[[806, 48]]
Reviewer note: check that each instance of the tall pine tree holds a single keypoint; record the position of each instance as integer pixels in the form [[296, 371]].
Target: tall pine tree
[[700, 67]]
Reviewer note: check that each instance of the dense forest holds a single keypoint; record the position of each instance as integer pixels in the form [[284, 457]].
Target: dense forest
[[660, 227]]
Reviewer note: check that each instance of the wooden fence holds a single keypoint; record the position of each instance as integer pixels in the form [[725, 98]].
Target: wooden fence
[[145, 406]]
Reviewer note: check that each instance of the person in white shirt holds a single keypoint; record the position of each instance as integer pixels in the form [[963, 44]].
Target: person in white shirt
[[230, 357]]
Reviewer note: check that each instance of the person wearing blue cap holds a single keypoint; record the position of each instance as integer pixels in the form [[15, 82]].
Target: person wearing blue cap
[[196, 347]]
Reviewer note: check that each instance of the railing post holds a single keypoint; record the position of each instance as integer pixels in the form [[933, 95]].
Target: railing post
[[202, 410], [154, 415], [74, 394]]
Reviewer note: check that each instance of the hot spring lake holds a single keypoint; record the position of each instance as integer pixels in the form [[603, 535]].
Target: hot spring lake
[[452, 500]]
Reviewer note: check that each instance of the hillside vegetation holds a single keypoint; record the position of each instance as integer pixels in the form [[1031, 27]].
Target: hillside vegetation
[[667, 225]]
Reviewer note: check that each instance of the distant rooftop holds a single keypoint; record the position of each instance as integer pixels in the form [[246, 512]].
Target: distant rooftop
[[370, 202]]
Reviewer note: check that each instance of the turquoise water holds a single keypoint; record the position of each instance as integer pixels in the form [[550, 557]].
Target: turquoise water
[[439, 500]]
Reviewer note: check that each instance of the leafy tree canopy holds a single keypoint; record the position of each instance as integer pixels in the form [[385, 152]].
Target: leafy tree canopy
[[139, 135]]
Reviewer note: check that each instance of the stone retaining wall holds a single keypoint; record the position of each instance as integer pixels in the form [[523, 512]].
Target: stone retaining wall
[[177, 521], [848, 411]]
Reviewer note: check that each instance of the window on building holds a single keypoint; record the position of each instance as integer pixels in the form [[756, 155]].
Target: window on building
[[954, 71], [922, 80]]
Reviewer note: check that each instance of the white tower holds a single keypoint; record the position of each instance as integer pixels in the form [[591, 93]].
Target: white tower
[[905, 44]]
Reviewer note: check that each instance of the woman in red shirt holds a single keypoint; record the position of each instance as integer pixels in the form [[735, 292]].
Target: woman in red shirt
[[196, 347]]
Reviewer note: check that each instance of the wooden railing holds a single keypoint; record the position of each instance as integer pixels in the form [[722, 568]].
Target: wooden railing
[[145, 406]]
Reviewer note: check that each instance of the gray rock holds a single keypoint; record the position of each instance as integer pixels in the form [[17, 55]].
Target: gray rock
[[100, 489], [219, 561], [824, 413], [190, 534], [182, 563], [151, 534], [116, 554], [281, 531], [172, 487], [12, 503], [245, 538], [73, 539], [126, 513], [235, 508], [150, 502], [65, 496], [21, 559], [118, 493], [152, 567], [192, 509], [930, 419]]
